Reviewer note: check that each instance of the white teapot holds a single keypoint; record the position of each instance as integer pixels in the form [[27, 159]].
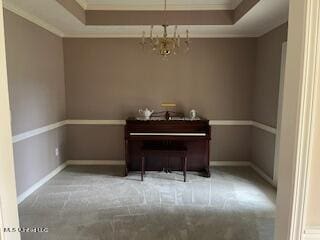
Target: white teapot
[[146, 113]]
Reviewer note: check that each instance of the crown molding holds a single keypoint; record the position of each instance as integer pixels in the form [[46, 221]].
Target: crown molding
[[219, 6], [138, 35], [175, 6], [272, 27], [83, 4], [235, 4], [13, 8], [145, 7]]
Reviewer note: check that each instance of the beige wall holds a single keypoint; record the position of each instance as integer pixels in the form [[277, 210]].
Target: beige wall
[[263, 150], [266, 86], [35, 72], [113, 78], [265, 96], [230, 143], [37, 96], [100, 142], [35, 157]]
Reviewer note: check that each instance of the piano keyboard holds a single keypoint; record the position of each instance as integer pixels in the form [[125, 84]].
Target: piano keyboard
[[168, 134]]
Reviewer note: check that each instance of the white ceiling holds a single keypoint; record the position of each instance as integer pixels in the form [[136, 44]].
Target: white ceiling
[[49, 14], [158, 4]]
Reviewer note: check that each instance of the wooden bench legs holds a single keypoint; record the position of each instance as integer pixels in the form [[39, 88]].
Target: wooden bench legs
[[184, 167], [142, 167]]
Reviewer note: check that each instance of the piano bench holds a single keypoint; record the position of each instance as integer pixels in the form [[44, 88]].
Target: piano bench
[[167, 150]]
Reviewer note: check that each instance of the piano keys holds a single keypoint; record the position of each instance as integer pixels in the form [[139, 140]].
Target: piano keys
[[194, 134]]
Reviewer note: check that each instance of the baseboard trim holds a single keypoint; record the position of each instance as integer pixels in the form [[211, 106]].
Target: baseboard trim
[[230, 122], [263, 174], [50, 175], [39, 183], [311, 233], [212, 163], [260, 172], [96, 162], [230, 163]]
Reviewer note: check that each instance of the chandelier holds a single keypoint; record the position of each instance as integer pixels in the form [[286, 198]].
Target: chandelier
[[165, 45]]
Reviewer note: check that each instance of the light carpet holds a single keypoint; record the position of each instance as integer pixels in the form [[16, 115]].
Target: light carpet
[[97, 203]]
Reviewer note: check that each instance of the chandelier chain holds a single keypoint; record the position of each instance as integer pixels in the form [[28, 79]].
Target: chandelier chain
[[165, 11]]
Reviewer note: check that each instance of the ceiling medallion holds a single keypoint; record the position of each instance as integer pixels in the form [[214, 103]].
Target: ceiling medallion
[[165, 45]]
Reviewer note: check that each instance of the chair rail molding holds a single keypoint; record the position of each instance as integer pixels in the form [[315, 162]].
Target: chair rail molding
[[264, 127], [28, 134], [95, 122], [37, 131]]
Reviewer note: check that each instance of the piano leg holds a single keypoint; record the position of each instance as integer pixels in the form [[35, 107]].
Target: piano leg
[[126, 158], [185, 169], [207, 160], [168, 165], [142, 167], [207, 173]]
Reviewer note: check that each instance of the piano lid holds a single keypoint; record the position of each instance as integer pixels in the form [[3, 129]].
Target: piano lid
[[156, 118]]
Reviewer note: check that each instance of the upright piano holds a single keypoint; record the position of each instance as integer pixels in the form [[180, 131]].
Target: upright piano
[[194, 134]]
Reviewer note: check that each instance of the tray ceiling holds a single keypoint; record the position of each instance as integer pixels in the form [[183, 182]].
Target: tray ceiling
[[264, 16], [158, 4]]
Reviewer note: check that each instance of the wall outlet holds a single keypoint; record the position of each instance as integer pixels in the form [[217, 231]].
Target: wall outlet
[[57, 152]]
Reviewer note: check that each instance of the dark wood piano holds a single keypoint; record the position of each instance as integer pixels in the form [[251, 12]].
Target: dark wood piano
[[194, 134]]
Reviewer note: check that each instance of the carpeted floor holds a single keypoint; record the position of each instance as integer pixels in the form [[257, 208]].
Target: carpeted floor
[[95, 202]]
